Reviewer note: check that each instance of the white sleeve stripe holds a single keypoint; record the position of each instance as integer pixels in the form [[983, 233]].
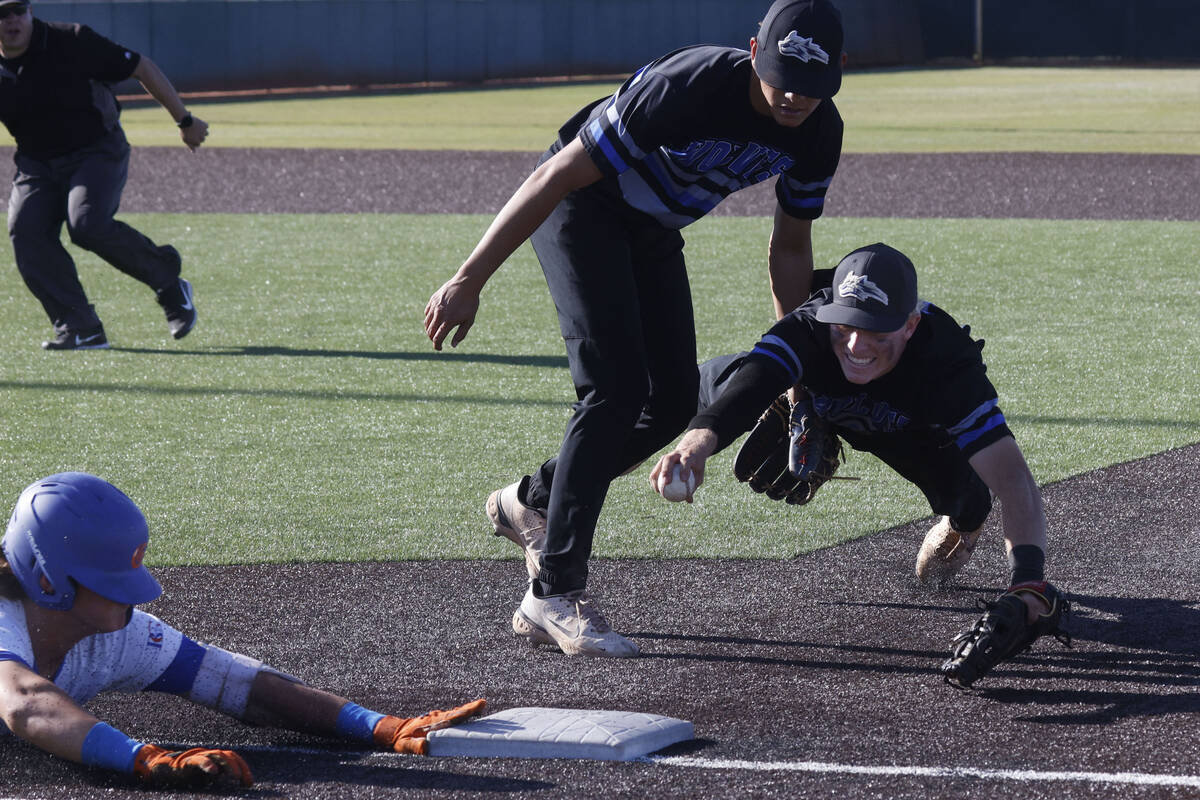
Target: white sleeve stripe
[[223, 681]]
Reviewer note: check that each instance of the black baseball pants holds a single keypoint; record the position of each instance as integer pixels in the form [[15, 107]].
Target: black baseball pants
[[82, 189], [624, 305]]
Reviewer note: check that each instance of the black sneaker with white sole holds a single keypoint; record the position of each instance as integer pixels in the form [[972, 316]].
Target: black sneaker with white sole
[[90, 339], [176, 301]]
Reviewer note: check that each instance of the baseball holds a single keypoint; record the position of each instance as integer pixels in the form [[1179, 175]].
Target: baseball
[[676, 490]]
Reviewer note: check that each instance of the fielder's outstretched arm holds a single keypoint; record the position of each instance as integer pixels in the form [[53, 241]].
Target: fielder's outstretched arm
[[1002, 467], [455, 304]]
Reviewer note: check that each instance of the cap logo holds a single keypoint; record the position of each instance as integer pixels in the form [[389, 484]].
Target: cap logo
[[138, 555], [803, 48], [860, 288]]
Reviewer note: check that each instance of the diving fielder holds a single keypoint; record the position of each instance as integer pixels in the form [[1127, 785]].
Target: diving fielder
[[70, 577], [898, 378]]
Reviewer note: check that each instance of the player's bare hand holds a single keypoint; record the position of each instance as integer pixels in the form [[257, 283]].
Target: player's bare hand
[[195, 134], [452, 306], [691, 455], [196, 767]]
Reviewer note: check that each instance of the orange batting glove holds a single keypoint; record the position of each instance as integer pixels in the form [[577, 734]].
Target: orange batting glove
[[408, 735], [196, 767]]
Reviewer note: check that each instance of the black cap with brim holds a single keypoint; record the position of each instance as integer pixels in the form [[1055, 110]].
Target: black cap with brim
[[800, 48], [874, 288]]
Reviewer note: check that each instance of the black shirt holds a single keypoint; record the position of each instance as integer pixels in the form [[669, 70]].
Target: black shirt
[[681, 135], [57, 97], [938, 391]]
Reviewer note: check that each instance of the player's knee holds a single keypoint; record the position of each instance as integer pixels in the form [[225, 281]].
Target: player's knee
[[87, 230]]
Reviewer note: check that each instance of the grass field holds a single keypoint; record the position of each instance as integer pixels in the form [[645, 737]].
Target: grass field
[[1083, 109], [308, 418]]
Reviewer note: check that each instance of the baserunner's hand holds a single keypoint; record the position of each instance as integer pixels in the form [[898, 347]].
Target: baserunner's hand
[[196, 767], [408, 735]]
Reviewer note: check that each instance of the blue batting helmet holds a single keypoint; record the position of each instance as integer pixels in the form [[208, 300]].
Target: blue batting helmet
[[75, 526]]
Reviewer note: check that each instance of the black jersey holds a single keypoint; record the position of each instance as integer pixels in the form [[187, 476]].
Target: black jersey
[[681, 135], [938, 391], [56, 97]]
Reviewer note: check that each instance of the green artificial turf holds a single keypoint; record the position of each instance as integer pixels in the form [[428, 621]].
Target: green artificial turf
[[308, 418], [1053, 109]]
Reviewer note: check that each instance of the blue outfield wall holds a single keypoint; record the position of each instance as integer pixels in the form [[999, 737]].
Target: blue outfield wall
[[246, 44], [206, 45]]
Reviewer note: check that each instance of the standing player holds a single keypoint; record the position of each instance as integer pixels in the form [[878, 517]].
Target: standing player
[[604, 208], [57, 101], [902, 380], [70, 576]]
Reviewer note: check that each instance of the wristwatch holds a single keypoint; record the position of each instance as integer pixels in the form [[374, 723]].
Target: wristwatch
[[186, 122]]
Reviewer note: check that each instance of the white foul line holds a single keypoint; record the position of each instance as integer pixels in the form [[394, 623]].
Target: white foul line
[[1027, 775], [937, 772]]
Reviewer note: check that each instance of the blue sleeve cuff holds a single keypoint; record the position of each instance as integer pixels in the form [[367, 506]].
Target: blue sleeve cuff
[[356, 722], [180, 674], [107, 747]]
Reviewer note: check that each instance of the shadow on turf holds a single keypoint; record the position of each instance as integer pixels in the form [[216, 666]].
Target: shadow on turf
[[275, 775], [382, 776], [390, 355], [891, 667], [1106, 707]]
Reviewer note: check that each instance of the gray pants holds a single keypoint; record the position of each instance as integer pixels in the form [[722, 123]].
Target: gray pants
[[82, 189]]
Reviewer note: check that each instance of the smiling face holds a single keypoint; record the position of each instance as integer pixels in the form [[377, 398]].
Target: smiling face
[[867, 355], [787, 108], [16, 29]]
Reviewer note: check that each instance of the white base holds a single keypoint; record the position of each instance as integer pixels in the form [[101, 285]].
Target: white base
[[560, 733]]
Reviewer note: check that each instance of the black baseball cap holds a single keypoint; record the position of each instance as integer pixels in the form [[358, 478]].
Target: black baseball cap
[[874, 288], [4, 3], [800, 47]]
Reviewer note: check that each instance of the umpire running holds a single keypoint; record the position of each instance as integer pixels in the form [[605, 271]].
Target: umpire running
[[56, 100], [604, 208]]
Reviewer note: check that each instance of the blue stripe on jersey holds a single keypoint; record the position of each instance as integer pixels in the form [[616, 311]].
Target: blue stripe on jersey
[[809, 187], [792, 191], [618, 126], [6, 655], [177, 678], [964, 440], [769, 354], [682, 197], [970, 420], [795, 368], [606, 147]]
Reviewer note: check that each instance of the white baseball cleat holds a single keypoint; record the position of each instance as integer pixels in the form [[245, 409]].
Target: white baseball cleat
[[522, 525], [573, 623], [945, 551]]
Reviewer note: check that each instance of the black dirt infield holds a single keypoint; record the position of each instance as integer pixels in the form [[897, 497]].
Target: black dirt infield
[[795, 672], [1033, 185]]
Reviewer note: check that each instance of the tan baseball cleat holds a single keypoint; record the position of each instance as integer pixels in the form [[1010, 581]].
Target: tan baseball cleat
[[944, 552], [522, 525]]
